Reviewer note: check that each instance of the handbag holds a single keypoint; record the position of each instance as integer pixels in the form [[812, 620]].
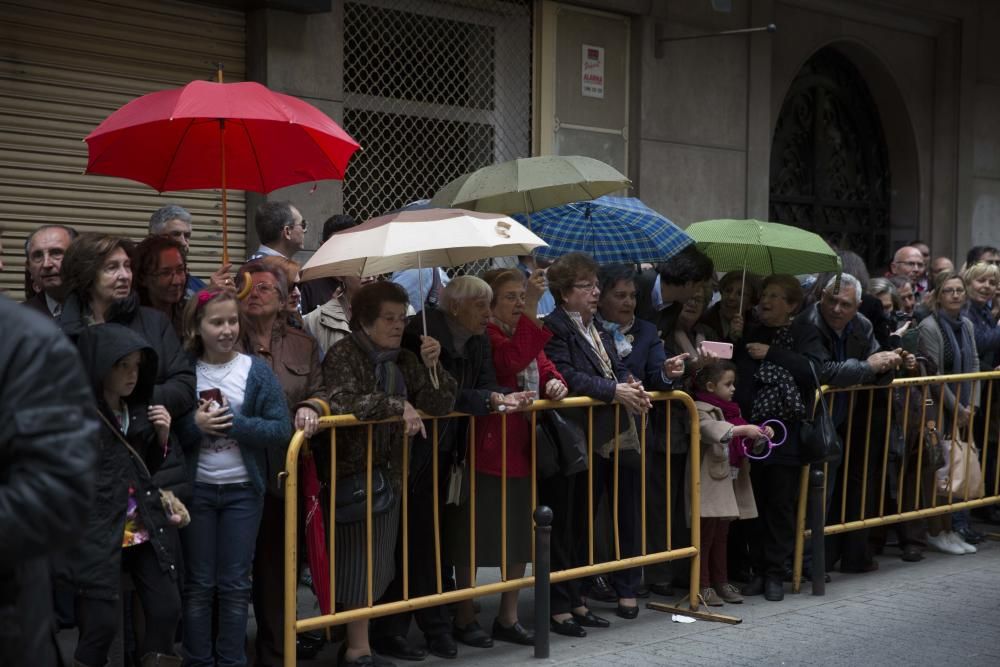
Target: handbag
[[172, 505], [458, 483], [561, 445], [819, 441], [960, 476], [352, 496]]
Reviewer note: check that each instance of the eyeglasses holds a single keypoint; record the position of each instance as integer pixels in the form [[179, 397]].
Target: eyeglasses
[[170, 273], [513, 297], [586, 287], [953, 291], [265, 289], [912, 265], [304, 225]]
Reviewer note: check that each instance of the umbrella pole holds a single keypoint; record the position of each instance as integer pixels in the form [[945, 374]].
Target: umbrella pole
[[225, 221], [743, 285], [423, 315]]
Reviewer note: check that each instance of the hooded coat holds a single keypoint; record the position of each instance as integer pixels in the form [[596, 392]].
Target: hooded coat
[[93, 566]]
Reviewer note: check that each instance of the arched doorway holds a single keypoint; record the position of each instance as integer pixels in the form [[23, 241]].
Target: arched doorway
[[829, 162]]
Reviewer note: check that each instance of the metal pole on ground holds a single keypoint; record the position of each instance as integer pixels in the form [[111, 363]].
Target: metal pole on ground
[[817, 519], [542, 568]]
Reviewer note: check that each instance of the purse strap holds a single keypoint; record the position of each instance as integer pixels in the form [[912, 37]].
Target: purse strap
[[819, 387], [125, 442]]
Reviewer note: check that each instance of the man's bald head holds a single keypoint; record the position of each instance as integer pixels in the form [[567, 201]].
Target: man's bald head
[[909, 262]]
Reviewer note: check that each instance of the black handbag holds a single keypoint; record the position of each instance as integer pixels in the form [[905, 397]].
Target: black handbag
[[819, 441], [352, 496], [561, 445]]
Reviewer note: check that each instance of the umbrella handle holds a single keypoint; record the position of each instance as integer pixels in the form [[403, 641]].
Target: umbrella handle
[[423, 315]]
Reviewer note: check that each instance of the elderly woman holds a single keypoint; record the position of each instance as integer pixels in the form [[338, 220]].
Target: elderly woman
[[372, 378], [293, 355], [331, 321], [459, 323], [161, 276], [588, 359], [885, 292], [724, 319], [517, 339], [947, 339], [689, 333], [774, 380], [641, 351], [97, 276], [290, 269]]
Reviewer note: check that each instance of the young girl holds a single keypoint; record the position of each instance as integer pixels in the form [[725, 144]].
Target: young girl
[[241, 413], [725, 474]]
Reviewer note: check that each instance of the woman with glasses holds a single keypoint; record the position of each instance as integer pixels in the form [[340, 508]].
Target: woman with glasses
[[161, 277], [293, 355], [589, 361], [726, 318], [947, 339]]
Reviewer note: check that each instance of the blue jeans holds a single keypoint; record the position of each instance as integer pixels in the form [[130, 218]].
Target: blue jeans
[[218, 553]]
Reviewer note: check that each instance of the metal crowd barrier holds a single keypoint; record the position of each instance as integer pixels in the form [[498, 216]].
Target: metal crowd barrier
[[294, 625], [913, 497]]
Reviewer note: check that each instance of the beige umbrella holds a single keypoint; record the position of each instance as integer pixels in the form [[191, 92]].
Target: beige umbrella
[[413, 239]]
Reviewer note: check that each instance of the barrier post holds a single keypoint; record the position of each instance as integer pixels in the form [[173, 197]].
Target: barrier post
[[817, 519], [542, 568]]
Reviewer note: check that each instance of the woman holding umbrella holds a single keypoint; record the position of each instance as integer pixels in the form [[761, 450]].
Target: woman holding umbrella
[[371, 377], [738, 295]]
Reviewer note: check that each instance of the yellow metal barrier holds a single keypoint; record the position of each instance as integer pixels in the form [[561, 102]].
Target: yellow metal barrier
[[915, 495], [294, 625]]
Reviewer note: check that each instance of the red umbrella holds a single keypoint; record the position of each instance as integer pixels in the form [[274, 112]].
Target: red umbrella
[[319, 561], [219, 135]]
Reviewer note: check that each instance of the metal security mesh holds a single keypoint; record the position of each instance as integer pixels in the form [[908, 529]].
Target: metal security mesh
[[433, 89]]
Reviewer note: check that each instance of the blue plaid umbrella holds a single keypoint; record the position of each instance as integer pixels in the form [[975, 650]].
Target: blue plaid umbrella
[[611, 229]]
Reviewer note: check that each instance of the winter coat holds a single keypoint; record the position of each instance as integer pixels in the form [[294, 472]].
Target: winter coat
[[48, 460], [261, 423], [987, 334], [861, 344], [350, 375], [328, 324], [175, 379], [930, 344], [721, 495], [294, 358], [511, 355], [93, 567]]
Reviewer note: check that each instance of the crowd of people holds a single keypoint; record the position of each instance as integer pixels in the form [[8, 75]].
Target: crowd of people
[[198, 391]]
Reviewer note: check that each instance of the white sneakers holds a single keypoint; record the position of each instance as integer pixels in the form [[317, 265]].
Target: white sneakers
[[950, 543]]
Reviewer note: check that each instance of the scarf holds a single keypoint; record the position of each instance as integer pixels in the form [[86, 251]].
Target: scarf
[[776, 395], [388, 376], [623, 342], [731, 413], [527, 377], [589, 332], [958, 353]]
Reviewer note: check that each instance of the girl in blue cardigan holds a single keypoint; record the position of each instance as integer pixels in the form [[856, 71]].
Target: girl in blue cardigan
[[241, 413]]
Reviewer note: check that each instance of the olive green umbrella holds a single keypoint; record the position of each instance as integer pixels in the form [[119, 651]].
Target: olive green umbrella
[[764, 248], [526, 185]]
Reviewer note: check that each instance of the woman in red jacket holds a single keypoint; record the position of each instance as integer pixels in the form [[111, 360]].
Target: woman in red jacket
[[517, 340]]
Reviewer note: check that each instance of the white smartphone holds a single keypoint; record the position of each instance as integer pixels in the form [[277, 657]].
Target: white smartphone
[[721, 350]]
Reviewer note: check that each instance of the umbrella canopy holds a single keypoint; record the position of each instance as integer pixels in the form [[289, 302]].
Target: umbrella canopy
[[411, 239], [526, 185], [179, 139], [611, 229], [764, 248]]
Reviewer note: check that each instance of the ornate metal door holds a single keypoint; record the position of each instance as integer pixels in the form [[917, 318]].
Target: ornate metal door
[[829, 165]]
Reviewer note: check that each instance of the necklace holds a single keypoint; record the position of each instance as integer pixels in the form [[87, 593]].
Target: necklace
[[216, 373]]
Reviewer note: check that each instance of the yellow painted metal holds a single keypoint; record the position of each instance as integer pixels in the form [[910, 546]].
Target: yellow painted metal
[[642, 484], [437, 517], [590, 485], [470, 470], [800, 530], [369, 527], [614, 488], [291, 541], [885, 452], [406, 515]]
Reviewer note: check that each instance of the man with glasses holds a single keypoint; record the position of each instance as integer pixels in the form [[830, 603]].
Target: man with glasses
[[44, 251], [907, 262], [280, 228]]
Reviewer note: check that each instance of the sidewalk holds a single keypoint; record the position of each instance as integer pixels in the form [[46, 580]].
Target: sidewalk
[[942, 611]]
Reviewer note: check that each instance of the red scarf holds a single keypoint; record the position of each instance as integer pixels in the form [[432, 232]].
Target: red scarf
[[731, 413]]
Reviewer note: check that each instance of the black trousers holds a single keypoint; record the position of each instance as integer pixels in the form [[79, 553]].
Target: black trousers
[[269, 583], [161, 607], [567, 498], [432, 621], [656, 516], [776, 490]]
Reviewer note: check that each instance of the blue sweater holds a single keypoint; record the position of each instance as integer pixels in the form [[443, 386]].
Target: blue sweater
[[261, 423], [987, 334]]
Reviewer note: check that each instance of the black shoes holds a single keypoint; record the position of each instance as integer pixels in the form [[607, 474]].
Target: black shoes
[[774, 589], [970, 535], [515, 634], [662, 588], [601, 590], [753, 587], [443, 646], [309, 644], [912, 553], [398, 647], [567, 628], [473, 635], [642, 591], [591, 620], [627, 613]]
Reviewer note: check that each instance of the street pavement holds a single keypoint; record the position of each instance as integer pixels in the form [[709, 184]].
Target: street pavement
[[942, 611]]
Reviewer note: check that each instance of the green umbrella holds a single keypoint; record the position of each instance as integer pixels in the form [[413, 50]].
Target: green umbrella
[[764, 248], [531, 184]]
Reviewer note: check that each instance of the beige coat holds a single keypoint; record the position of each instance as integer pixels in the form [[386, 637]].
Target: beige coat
[[721, 496]]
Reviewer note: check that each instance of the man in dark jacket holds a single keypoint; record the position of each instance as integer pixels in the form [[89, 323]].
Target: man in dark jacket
[[44, 251], [47, 456], [850, 355]]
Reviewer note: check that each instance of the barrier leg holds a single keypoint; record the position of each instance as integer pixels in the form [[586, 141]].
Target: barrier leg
[[817, 519], [541, 569]]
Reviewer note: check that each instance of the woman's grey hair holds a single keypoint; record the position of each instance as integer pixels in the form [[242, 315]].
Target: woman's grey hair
[[845, 280], [163, 215], [880, 286], [462, 289]]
